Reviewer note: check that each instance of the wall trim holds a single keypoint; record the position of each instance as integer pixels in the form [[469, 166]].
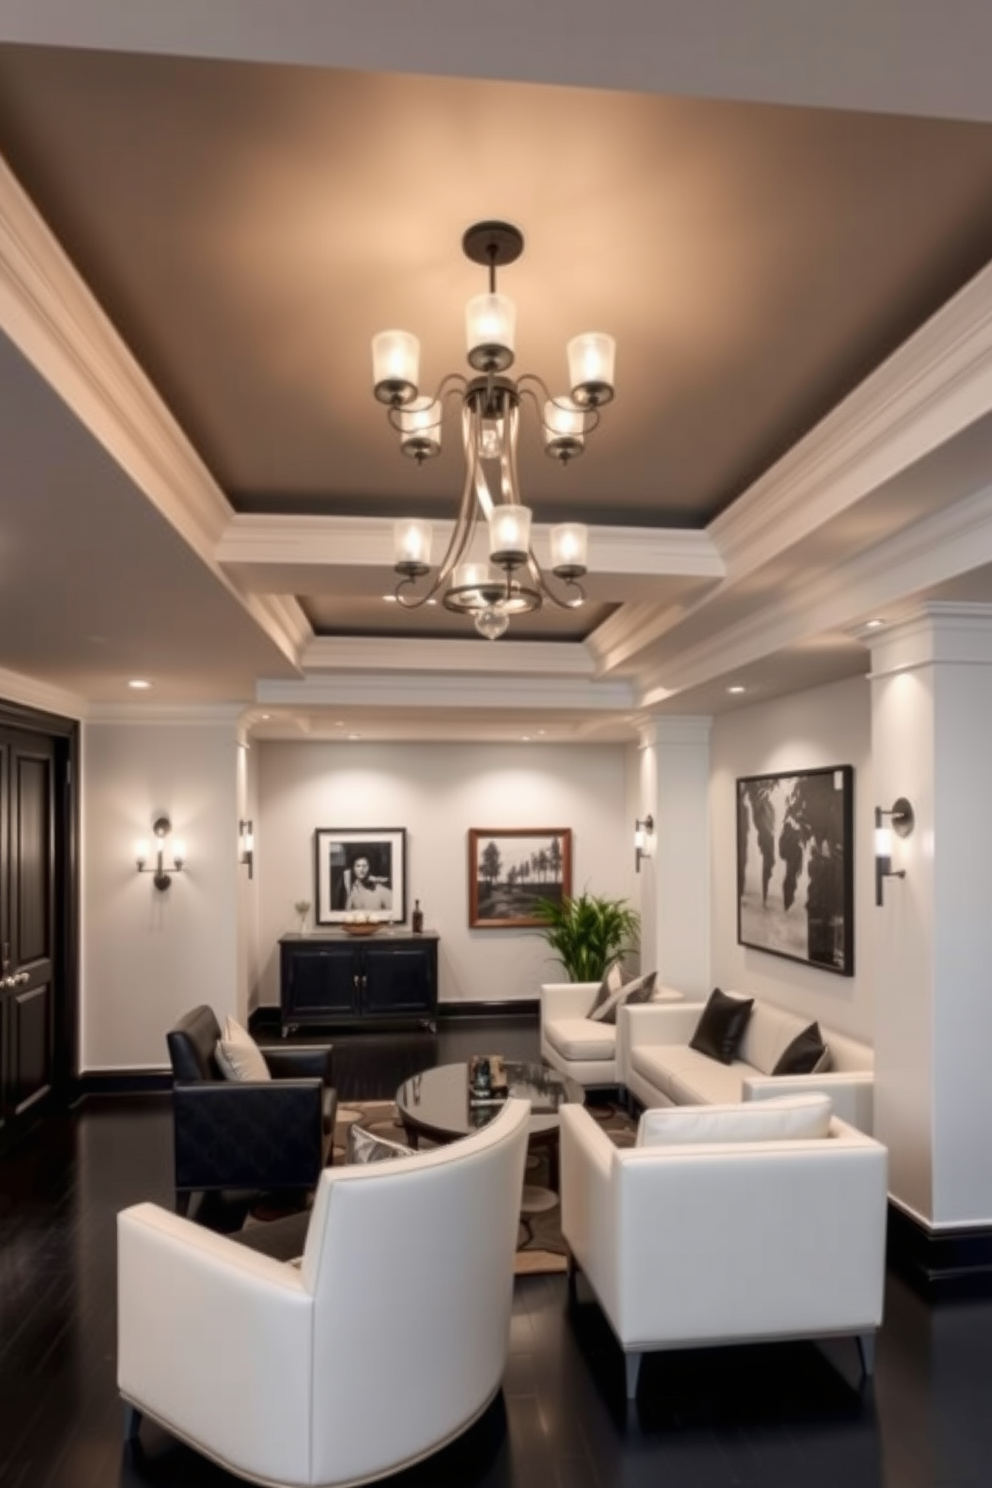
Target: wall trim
[[942, 1264], [121, 1082], [263, 1021]]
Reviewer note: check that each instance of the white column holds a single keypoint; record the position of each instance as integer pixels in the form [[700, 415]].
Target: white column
[[675, 768], [931, 727]]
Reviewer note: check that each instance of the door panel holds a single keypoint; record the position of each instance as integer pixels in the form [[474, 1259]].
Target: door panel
[[31, 856], [31, 1047]]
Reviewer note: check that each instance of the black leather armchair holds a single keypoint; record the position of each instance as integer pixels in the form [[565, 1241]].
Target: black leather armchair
[[258, 1135]]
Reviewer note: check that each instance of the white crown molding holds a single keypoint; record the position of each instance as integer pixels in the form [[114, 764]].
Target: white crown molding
[[940, 632], [473, 657], [936, 549], [935, 385], [282, 618], [686, 730], [144, 715], [265, 538], [51, 316], [629, 631], [30, 693], [401, 689]]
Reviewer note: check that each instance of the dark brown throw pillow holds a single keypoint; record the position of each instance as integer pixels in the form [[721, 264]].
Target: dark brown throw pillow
[[721, 1026], [804, 1054]]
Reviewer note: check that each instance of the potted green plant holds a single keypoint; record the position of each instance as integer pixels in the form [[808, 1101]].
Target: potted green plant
[[587, 933]]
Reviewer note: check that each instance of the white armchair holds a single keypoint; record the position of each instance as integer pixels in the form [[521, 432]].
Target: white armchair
[[384, 1343], [727, 1242]]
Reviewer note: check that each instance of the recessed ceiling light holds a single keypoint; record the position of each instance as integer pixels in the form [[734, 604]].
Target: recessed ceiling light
[[525, 738], [266, 717], [139, 684], [737, 688], [874, 624], [542, 732], [339, 723], [354, 736]]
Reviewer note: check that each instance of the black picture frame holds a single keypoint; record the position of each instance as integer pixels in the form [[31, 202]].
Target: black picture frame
[[383, 888], [795, 866]]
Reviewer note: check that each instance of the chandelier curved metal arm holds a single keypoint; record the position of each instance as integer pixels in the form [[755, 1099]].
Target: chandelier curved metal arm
[[512, 582]]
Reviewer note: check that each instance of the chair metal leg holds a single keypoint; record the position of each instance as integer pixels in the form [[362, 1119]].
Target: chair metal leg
[[633, 1365], [183, 1198], [866, 1353], [572, 1275], [132, 1421]]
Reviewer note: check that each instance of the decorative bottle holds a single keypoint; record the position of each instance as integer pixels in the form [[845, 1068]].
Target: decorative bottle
[[417, 918]]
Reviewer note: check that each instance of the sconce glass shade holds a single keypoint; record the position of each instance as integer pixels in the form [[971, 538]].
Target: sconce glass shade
[[564, 429], [509, 535], [141, 851], [248, 842], [883, 842], [395, 366], [420, 428], [490, 330], [639, 839], [412, 546], [591, 359], [569, 549], [178, 851]]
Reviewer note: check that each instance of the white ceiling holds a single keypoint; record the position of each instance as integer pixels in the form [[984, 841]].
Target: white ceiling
[[231, 540]]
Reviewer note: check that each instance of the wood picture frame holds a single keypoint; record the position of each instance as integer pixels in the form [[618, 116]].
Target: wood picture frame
[[345, 889], [510, 868], [795, 866]]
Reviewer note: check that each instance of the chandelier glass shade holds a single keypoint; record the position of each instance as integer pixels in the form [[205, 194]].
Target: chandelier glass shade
[[511, 582]]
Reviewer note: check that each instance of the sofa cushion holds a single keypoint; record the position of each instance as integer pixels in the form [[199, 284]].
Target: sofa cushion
[[581, 1038], [238, 1055], [721, 1025], [688, 1078], [803, 1054], [784, 1118], [639, 990], [769, 1032]]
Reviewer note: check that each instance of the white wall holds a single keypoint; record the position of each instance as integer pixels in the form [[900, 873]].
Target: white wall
[[148, 956], [827, 726], [437, 792]]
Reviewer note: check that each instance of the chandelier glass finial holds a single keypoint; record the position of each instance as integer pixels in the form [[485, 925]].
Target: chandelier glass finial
[[512, 581]]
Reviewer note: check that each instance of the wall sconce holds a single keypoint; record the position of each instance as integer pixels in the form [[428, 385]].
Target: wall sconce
[[903, 821], [247, 834], [163, 876], [643, 829]]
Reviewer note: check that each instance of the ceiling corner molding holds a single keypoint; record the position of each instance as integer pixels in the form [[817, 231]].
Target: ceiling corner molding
[[629, 631], [467, 657], [929, 390], [30, 693], [168, 715], [488, 693], [282, 618]]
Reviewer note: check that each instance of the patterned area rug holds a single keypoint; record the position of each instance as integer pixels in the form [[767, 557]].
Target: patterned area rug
[[540, 1247]]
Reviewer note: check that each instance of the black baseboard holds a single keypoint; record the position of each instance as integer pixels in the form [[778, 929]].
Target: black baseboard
[[524, 1007], [941, 1264], [264, 1022], [120, 1082]]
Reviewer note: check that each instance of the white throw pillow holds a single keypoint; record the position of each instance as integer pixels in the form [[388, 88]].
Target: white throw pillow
[[783, 1118], [238, 1055]]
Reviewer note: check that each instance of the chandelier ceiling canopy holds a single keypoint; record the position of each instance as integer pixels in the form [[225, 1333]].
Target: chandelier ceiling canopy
[[512, 582]]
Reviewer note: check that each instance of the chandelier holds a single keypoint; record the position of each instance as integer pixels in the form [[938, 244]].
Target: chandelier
[[512, 582]]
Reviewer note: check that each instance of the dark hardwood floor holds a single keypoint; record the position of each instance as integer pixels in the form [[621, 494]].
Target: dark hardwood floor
[[771, 1417]]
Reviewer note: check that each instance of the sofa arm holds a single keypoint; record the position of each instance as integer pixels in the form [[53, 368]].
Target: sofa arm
[[188, 1298], [307, 1061], [588, 1211], [851, 1091], [248, 1134], [652, 1023], [567, 999]]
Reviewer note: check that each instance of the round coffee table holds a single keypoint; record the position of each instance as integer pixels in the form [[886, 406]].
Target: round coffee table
[[435, 1104]]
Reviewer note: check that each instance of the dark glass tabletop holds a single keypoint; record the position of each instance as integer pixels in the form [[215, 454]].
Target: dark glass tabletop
[[436, 1102]]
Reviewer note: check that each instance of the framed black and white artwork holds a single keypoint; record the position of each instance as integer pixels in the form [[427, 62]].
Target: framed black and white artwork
[[360, 872], [510, 869], [795, 870]]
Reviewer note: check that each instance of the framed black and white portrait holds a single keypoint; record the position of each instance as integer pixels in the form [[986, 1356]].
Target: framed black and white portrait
[[360, 871], [795, 871]]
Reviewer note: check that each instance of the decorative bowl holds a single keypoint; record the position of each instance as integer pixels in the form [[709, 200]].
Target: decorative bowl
[[362, 927]]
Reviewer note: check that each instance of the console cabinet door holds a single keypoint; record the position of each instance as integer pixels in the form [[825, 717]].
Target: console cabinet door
[[320, 981], [397, 980]]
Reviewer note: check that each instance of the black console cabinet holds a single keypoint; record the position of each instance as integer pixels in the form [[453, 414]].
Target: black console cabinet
[[337, 979]]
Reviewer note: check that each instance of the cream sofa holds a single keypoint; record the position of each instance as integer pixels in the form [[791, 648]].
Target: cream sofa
[[727, 1241], [387, 1340], [655, 1063], [575, 1045]]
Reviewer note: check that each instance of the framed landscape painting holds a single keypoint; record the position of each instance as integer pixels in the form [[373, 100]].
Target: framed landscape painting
[[360, 871], [510, 868], [795, 872]]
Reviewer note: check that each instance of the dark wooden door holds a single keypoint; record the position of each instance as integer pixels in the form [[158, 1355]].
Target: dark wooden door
[[30, 1012]]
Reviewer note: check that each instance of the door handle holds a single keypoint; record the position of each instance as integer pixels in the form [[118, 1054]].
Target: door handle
[[20, 978]]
